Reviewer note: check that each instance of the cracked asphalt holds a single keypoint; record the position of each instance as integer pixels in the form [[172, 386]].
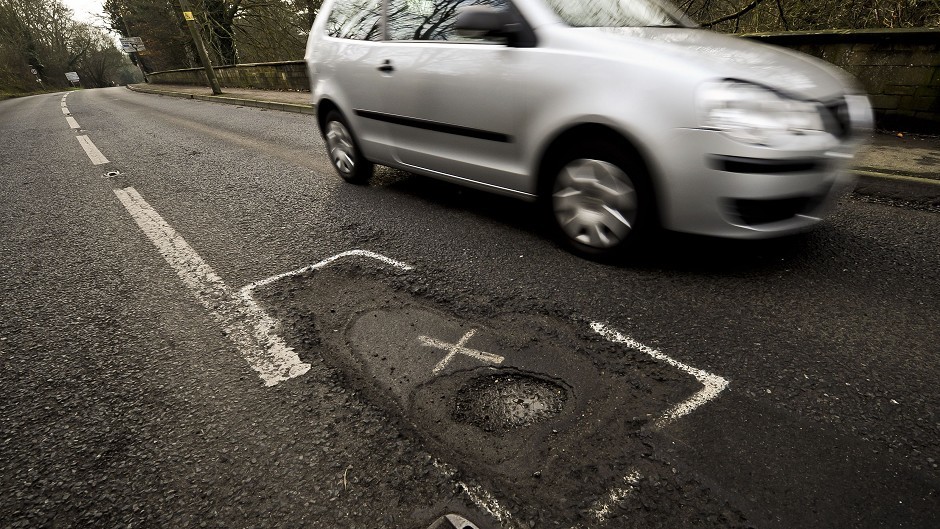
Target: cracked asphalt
[[124, 404]]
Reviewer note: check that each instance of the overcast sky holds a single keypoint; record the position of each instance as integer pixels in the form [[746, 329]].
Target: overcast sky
[[85, 10]]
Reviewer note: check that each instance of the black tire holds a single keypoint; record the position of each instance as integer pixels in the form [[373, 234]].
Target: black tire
[[343, 150], [599, 199]]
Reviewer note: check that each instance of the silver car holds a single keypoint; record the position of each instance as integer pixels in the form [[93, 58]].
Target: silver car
[[620, 116]]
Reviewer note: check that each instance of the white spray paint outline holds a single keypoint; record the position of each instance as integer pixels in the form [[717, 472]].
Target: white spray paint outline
[[247, 325], [481, 497], [454, 349], [712, 386]]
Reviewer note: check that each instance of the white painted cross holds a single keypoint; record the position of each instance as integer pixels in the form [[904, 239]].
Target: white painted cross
[[454, 349]]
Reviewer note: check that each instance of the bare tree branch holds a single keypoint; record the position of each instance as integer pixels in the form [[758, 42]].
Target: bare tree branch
[[734, 16]]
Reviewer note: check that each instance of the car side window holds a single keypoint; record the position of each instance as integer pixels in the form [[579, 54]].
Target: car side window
[[430, 19], [355, 19]]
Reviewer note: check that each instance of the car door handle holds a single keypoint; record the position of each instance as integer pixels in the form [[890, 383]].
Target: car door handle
[[386, 67]]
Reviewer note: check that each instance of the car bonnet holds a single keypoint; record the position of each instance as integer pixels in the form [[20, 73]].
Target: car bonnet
[[723, 56]]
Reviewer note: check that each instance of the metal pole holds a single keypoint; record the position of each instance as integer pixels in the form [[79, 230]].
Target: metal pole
[[200, 47]]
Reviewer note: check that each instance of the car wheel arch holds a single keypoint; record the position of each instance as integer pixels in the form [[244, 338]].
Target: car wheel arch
[[324, 107], [587, 131]]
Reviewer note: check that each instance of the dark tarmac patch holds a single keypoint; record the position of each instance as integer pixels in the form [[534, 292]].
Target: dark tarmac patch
[[552, 426]]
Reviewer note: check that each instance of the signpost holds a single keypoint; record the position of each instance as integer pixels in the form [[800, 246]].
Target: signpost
[[72, 77], [132, 44]]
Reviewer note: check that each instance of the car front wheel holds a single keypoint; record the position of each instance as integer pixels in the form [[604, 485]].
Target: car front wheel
[[600, 204]]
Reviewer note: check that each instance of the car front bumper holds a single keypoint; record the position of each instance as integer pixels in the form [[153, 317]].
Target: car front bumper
[[717, 186]]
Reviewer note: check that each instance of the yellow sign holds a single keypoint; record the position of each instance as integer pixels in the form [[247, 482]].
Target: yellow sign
[[188, 15]]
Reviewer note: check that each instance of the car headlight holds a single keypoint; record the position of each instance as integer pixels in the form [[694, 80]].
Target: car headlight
[[756, 115]]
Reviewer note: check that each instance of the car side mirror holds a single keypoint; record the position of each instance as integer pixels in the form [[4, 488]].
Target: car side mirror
[[485, 21]]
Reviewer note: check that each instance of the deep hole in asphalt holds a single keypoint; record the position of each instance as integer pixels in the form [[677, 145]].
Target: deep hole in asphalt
[[498, 403]]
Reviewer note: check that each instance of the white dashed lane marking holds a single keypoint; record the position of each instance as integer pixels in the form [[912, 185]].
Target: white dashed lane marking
[[72, 123], [93, 153]]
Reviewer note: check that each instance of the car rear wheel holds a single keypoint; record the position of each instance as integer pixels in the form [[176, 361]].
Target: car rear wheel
[[344, 151], [601, 203]]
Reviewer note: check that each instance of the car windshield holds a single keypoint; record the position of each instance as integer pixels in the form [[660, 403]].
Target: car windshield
[[618, 13]]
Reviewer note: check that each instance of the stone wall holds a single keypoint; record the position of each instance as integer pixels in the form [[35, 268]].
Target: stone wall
[[286, 75], [899, 68]]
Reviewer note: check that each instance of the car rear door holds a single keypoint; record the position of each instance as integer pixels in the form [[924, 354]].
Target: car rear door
[[346, 62]]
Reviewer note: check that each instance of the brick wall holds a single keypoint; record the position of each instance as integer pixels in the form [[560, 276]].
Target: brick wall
[[899, 68]]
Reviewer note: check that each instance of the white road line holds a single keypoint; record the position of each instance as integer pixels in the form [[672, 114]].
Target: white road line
[[93, 153], [65, 110], [714, 384], [63, 101], [245, 323], [72, 122]]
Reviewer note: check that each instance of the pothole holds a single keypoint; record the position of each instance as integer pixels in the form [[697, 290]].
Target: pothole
[[503, 402]]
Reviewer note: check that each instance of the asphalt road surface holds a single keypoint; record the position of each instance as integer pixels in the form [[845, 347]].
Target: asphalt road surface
[[188, 338]]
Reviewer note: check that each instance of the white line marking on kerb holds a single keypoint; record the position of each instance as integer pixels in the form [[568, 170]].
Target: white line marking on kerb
[[72, 122], [714, 384], [93, 153], [245, 323]]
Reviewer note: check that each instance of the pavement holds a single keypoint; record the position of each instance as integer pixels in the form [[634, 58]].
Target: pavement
[[894, 166]]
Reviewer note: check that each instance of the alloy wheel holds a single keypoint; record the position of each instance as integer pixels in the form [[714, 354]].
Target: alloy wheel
[[340, 145], [595, 203]]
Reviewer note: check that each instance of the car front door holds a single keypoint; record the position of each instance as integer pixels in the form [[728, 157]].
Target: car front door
[[460, 105]]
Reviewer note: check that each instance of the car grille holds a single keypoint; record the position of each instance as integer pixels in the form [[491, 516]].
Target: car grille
[[835, 115], [752, 212]]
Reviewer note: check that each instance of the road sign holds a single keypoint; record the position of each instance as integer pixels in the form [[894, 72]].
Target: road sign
[[33, 71], [132, 44], [72, 76]]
